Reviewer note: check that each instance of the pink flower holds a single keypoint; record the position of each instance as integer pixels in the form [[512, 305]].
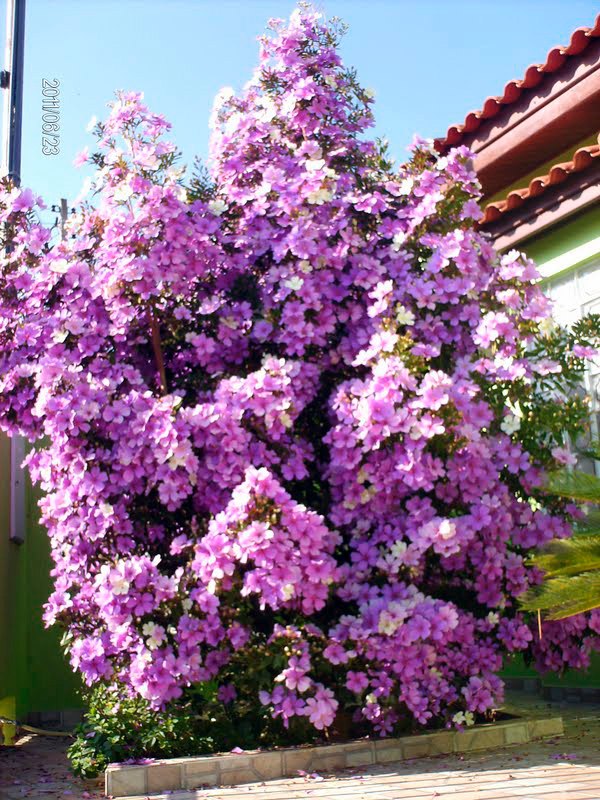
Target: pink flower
[[227, 693], [23, 200], [356, 682], [564, 456], [321, 708], [582, 351], [82, 157]]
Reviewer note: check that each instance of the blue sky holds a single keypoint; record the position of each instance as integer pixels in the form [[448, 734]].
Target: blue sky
[[429, 62]]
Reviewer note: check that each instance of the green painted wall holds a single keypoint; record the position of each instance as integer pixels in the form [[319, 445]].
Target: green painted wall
[[564, 237], [10, 565], [34, 675], [50, 684]]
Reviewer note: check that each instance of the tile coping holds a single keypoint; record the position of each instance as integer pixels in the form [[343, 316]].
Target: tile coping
[[228, 769]]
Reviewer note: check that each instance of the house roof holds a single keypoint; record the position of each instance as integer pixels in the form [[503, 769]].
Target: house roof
[[534, 74], [582, 159]]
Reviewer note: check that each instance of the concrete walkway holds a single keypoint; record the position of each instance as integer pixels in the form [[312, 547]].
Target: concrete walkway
[[566, 768]]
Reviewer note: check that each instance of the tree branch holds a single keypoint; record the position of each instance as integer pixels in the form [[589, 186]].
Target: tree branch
[[158, 354]]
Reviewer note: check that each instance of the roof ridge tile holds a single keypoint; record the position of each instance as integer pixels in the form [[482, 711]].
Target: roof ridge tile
[[534, 74], [582, 158]]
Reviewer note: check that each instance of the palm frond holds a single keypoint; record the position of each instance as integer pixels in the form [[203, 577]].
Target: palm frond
[[588, 525], [572, 556], [592, 451], [575, 485], [564, 596]]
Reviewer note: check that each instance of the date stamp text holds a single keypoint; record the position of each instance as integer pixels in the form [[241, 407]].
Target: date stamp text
[[50, 117]]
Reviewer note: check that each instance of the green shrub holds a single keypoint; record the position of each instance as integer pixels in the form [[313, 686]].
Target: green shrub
[[118, 728]]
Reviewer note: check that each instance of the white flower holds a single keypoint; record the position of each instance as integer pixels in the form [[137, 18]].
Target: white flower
[[269, 110], [123, 192], [295, 283], [106, 509], [179, 455], [119, 584], [387, 623], [287, 591], [398, 240], [464, 718], [320, 196], [367, 494], [305, 266], [493, 618], [154, 633], [371, 698], [175, 173], [288, 105], [61, 266], [369, 94], [232, 123], [398, 549], [91, 124], [186, 604], [59, 336], [263, 190], [510, 424], [447, 529], [406, 186], [331, 81], [547, 326], [285, 419], [404, 316], [315, 164], [217, 207]]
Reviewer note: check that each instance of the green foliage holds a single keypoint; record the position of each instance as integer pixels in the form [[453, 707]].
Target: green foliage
[[566, 596], [118, 728], [571, 566], [201, 185], [575, 485]]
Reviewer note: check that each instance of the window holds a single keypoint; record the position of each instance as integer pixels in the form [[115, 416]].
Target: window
[[575, 295]]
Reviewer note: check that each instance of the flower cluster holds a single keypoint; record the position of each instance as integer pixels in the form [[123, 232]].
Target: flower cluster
[[302, 409]]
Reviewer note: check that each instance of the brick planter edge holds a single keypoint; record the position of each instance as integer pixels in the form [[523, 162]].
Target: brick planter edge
[[229, 769]]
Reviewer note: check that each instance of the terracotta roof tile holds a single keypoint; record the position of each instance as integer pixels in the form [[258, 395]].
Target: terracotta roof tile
[[534, 74], [581, 160]]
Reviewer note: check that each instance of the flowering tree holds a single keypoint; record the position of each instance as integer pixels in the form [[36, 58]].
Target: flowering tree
[[292, 417]]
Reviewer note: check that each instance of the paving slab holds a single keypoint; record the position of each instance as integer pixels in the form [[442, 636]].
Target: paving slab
[[566, 768]]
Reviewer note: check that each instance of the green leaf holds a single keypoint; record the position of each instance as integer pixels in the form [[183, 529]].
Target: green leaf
[[564, 596], [592, 451], [589, 525], [575, 485], [570, 556]]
